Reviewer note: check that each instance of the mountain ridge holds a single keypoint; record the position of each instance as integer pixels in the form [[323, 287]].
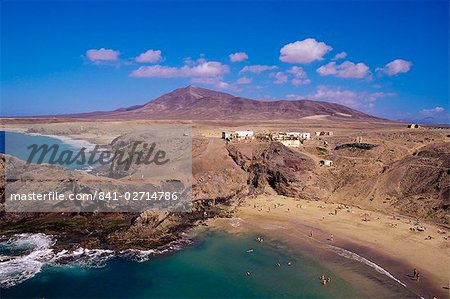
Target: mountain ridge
[[196, 103]]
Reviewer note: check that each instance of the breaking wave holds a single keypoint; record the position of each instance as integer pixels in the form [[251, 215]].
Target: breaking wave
[[28, 253], [144, 255], [23, 256], [351, 255]]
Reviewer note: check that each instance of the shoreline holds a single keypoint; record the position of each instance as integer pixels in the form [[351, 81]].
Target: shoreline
[[395, 252], [75, 142], [43, 253]]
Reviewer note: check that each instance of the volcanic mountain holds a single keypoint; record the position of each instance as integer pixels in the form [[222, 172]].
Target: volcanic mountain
[[196, 103]]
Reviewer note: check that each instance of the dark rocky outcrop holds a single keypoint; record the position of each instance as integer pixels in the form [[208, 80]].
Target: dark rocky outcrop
[[362, 146], [271, 166]]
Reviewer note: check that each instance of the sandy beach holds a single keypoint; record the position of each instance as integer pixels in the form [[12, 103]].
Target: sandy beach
[[386, 240]]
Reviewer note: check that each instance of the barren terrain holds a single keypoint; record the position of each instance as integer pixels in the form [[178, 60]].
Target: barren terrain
[[395, 171]]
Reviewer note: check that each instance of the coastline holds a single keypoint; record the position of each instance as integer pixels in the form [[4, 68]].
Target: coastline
[[397, 252], [384, 240], [70, 140]]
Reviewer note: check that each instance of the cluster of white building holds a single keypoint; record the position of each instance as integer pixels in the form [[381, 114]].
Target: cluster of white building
[[292, 139], [245, 134], [286, 138], [292, 135]]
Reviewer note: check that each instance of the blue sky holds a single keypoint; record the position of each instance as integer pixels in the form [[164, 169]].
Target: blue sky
[[387, 58]]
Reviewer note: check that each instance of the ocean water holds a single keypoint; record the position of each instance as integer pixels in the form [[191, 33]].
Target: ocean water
[[17, 143], [214, 266]]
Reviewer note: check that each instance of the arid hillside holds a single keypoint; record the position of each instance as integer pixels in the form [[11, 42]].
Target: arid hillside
[[394, 170], [195, 103], [407, 171]]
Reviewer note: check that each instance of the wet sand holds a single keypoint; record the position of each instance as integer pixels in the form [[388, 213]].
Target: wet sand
[[383, 239]]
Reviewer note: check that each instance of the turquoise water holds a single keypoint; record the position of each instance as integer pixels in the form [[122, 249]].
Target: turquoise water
[[16, 144], [214, 267]]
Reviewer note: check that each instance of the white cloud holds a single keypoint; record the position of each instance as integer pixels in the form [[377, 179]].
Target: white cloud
[[102, 54], [150, 56], [300, 76], [297, 71], [298, 81], [257, 69], [202, 68], [305, 51], [238, 56], [340, 55], [244, 80], [346, 69], [354, 99], [395, 67], [433, 111], [295, 74], [157, 71], [280, 78], [217, 82]]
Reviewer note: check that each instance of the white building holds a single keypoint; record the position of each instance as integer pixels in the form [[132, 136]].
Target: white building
[[226, 135], [300, 135], [306, 135], [246, 134], [326, 162]]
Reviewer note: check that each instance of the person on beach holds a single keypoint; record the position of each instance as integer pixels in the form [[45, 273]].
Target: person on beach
[[331, 237], [417, 276], [414, 273]]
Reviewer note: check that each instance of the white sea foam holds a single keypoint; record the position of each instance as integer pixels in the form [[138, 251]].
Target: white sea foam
[[138, 255], [36, 251], [82, 257], [351, 255], [77, 143], [33, 251], [145, 255], [16, 269]]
